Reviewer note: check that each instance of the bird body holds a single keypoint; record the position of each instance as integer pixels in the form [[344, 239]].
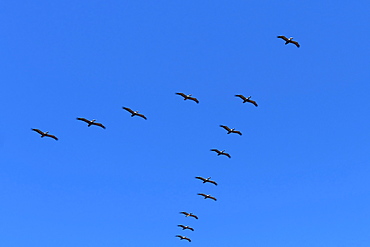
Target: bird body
[[188, 96], [290, 40], [189, 214], [186, 227], [207, 196], [205, 180], [221, 152], [247, 99], [231, 130], [43, 134], [91, 122], [134, 113], [183, 237]]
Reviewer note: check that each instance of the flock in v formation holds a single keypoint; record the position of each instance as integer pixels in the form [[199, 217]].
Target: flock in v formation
[[186, 97]]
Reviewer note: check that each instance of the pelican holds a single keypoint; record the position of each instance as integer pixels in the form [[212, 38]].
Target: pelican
[[134, 113], [205, 180], [189, 214], [221, 152], [91, 122], [183, 237], [290, 40], [186, 227], [246, 99], [188, 97], [230, 130], [207, 196], [43, 134]]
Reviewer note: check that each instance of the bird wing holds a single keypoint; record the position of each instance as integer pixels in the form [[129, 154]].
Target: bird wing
[[225, 127], [52, 136], [216, 150], [237, 132], [226, 154], [83, 119], [295, 42], [99, 124], [182, 226], [253, 102], [181, 94], [194, 216], [201, 194], [128, 109], [188, 239], [213, 182], [38, 131], [201, 178], [190, 228], [184, 213], [213, 198], [194, 99], [141, 115], [241, 96], [179, 236], [283, 37]]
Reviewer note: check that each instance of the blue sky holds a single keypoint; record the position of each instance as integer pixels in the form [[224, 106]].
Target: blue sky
[[297, 177]]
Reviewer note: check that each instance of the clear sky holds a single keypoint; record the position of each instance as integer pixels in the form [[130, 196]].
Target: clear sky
[[299, 175]]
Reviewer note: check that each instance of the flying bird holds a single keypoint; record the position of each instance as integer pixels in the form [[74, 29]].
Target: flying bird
[[186, 227], [134, 113], [188, 96], [91, 122], [205, 180], [43, 134], [231, 130], [183, 237], [221, 152], [189, 214], [246, 99], [290, 40], [207, 196]]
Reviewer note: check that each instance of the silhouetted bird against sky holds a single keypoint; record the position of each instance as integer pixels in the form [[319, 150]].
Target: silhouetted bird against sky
[[43, 134], [290, 40], [185, 227], [188, 97], [189, 215], [207, 196], [221, 152], [246, 99], [205, 180], [183, 237], [91, 122], [231, 130], [134, 113]]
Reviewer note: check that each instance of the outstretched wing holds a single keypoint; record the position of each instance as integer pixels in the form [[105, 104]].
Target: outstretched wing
[[99, 124], [83, 119], [201, 194], [241, 96], [38, 131], [283, 37], [237, 132], [183, 227], [295, 42], [128, 109], [216, 150], [213, 182], [52, 136], [194, 99], [190, 228], [253, 102], [188, 239], [226, 154], [194, 216], [213, 198], [179, 236], [141, 115], [203, 179], [181, 94], [225, 127], [184, 213]]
